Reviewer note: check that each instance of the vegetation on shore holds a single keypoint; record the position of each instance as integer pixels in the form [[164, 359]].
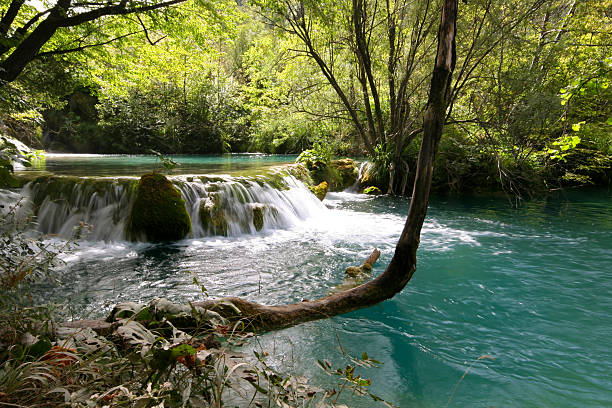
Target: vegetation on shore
[[530, 104]]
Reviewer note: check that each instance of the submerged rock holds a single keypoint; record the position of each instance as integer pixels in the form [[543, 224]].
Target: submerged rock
[[158, 213]]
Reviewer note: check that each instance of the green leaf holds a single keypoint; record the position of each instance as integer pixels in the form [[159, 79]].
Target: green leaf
[[364, 383], [609, 121], [182, 350]]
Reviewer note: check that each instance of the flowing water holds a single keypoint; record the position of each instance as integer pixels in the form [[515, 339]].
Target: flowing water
[[529, 288]]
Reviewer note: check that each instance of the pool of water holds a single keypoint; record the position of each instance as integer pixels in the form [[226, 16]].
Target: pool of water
[[115, 165], [530, 288]]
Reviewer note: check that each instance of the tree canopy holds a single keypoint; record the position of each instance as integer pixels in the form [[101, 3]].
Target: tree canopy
[[529, 103]]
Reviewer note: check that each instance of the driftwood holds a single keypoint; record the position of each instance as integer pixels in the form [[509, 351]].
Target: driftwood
[[403, 264]]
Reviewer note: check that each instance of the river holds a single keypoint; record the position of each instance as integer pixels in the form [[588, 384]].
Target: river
[[530, 288]]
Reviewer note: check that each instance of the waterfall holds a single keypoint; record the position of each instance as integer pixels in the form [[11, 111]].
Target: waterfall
[[218, 205], [99, 207], [245, 205], [355, 187]]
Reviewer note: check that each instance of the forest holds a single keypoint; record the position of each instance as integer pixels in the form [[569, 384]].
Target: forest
[[231, 114], [529, 109]]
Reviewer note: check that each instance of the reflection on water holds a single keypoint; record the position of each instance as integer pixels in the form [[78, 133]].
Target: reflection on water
[[530, 287]]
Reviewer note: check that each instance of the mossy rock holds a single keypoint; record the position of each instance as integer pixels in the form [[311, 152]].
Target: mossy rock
[[158, 213], [258, 216], [372, 190], [300, 172], [339, 174], [347, 170], [7, 180], [320, 190], [212, 217]]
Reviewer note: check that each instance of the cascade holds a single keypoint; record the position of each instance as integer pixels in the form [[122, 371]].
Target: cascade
[[218, 205], [355, 187]]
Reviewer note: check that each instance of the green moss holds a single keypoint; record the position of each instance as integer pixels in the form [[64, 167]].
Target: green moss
[[211, 179], [347, 172], [300, 172], [258, 216], [158, 213], [339, 174], [213, 187], [211, 215], [320, 190], [372, 190], [7, 180]]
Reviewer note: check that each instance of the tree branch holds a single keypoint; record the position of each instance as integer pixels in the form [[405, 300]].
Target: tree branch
[[84, 47]]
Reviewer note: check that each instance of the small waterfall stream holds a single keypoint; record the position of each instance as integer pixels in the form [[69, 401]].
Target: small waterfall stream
[[231, 206]]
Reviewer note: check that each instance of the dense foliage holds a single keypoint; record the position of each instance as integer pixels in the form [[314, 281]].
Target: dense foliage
[[530, 102]]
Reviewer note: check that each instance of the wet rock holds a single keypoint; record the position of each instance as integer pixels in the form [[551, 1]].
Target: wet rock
[[339, 174], [347, 172], [158, 213], [320, 190], [372, 190], [258, 216], [212, 216]]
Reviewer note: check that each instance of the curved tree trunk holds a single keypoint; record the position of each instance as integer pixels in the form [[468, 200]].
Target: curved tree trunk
[[403, 263]]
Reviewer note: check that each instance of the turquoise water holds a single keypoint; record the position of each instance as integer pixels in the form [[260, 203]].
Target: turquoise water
[[530, 287], [131, 165]]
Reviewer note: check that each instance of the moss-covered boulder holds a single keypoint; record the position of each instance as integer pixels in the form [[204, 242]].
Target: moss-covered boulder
[[158, 213], [320, 190], [258, 216], [347, 172], [372, 190], [339, 174], [7, 180], [212, 216]]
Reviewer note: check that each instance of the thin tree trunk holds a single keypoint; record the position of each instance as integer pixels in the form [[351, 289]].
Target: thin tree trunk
[[403, 264]]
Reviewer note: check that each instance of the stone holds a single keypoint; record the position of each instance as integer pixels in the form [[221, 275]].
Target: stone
[[212, 217], [258, 216], [158, 213], [320, 190], [372, 190]]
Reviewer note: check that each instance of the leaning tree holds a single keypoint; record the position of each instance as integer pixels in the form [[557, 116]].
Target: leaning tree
[[404, 261]]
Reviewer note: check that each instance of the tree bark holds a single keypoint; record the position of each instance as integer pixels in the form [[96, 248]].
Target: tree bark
[[9, 16]]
